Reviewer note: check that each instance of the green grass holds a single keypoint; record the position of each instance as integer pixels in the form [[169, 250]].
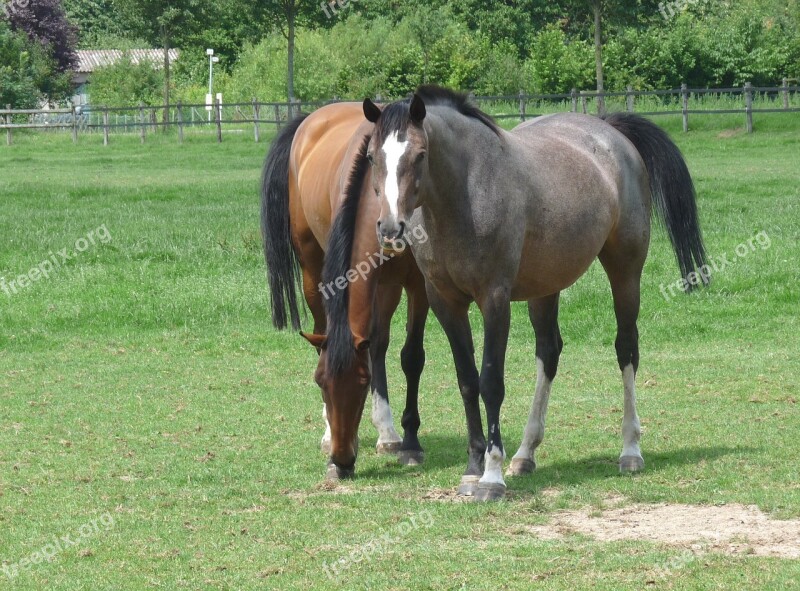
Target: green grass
[[143, 379]]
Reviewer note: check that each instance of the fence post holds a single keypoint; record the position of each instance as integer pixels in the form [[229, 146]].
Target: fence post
[[218, 117], [786, 93], [629, 98], [574, 96], [278, 116], [521, 105], [179, 115], [748, 105], [256, 113], [583, 103], [8, 122], [74, 125], [685, 107], [105, 126], [142, 130]]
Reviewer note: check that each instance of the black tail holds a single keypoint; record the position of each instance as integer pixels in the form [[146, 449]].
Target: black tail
[[672, 189], [283, 266]]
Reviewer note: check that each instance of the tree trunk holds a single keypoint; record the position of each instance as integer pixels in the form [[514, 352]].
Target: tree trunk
[[598, 53], [166, 77], [290, 72]]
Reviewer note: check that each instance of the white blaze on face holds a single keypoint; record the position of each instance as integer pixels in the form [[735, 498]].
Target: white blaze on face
[[393, 151]]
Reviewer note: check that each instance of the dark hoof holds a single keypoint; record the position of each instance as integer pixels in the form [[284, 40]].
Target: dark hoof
[[325, 446], [490, 491], [388, 448], [411, 457], [336, 473], [521, 467], [468, 486], [630, 464]]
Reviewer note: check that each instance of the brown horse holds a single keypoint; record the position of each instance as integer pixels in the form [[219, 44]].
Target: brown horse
[[312, 181]]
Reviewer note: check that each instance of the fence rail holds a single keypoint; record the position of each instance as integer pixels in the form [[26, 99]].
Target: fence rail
[[221, 117]]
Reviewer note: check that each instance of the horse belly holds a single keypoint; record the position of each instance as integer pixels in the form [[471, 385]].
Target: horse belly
[[554, 259]]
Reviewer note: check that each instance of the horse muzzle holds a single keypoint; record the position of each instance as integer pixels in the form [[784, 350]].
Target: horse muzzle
[[391, 235]]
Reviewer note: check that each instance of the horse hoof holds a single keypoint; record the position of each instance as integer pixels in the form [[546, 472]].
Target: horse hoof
[[411, 457], [325, 446], [521, 467], [630, 464], [490, 491], [336, 473], [468, 486], [388, 448]]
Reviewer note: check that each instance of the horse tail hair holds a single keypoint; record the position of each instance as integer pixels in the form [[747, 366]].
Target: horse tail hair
[[672, 190], [283, 265]]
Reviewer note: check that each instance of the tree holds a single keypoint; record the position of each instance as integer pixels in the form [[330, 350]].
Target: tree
[[615, 12], [45, 22], [95, 20], [162, 22], [287, 16]]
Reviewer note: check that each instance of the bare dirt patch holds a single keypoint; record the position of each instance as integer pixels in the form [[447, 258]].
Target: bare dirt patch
[[729, 133], [730, 529]]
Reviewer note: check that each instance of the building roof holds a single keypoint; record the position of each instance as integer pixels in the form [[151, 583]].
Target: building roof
[[91, 59]]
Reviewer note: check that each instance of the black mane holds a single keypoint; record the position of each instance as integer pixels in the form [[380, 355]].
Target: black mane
[[340, 347], [395, 116]]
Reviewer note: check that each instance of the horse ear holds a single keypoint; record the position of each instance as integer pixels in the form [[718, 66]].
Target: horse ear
[[362, 344], [371, 111], [317, 340], [417, 109]]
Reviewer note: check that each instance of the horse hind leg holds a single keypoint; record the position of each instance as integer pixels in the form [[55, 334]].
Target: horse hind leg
[[311, 261], [543, 314], [625, 279]]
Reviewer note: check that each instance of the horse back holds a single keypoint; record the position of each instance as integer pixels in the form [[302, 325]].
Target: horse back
[[322, 154]]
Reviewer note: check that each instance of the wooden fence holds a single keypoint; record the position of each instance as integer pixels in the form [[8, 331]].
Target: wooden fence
[[220, 118]]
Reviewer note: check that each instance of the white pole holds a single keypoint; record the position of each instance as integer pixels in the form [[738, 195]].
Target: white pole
[[210, 54]]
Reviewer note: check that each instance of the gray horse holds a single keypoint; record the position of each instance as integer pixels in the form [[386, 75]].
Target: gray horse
[[522, 215]]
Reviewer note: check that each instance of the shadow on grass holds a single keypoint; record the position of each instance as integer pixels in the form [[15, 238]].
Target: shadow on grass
[[444, 452]]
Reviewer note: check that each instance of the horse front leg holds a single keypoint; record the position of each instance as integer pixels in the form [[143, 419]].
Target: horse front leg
[[454, 318], [496, 309], [412, 358], [389, 440]]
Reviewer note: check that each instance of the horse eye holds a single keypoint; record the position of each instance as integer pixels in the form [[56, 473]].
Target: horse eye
[[420, 157], [370, 160]]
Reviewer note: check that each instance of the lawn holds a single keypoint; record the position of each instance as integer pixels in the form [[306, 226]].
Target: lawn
[[157, 432]]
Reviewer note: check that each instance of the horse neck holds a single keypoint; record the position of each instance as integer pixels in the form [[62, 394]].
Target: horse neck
[[365, 264], [454, 142]]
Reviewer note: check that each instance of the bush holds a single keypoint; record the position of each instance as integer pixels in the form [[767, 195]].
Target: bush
[[125, 83]]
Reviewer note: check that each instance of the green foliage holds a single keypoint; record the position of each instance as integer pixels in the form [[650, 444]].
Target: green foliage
[[125, 83], [388, 47], [95, 20], [28, 73], [557, 64]]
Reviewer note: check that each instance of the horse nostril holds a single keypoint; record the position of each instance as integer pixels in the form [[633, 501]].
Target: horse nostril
[[401, 230]]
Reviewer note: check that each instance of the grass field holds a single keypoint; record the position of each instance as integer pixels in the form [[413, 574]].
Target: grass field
[[150, 415]]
